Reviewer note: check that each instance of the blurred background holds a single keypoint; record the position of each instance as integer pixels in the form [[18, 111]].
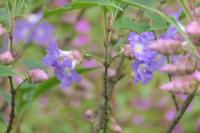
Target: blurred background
[[46, 108]]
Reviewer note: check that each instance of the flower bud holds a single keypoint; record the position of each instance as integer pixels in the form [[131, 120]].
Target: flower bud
[[2, 30], [169, 68], [185, 85], [127, 51], [88, 114], [166, 46], [182, 67], [193, 29], [116, 128], [6, 57], [37, 76]]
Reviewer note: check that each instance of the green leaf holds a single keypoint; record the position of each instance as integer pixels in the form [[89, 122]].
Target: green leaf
[[126, 23], [4, 16], [6, 71], [144, 2], [198, 4], [157, 23], [79, 4], [159, 13]]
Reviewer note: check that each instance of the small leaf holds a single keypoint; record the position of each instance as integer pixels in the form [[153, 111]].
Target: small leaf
[[4, 16], [79, 4], [157, 23], [6, 71], [126, 23]]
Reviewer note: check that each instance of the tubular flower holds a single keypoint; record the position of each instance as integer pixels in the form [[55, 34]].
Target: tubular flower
[[63, 63]]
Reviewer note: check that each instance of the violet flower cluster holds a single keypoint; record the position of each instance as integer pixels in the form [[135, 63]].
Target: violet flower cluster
[[145, 61], [42, 35], [63, 63]]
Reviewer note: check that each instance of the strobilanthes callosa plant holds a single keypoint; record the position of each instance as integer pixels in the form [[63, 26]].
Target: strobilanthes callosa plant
[[154, 42]]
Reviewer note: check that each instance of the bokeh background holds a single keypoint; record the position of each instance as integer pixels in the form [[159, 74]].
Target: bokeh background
[[46, 108]]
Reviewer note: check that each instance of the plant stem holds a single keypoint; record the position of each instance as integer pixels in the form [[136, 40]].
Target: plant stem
[[172, 94], [186, 10], [12, 114], [106, 66], [106, 97], [180, 113]]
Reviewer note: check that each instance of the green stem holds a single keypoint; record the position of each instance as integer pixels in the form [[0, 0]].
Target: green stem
[[187, 12], [172, 94], [88, 55]]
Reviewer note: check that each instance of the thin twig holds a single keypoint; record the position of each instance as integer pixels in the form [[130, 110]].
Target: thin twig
[[172, 94], [180, 113], [12, 114], [100, 110]]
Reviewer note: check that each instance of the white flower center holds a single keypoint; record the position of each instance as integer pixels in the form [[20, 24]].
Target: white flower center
[[138, 48]]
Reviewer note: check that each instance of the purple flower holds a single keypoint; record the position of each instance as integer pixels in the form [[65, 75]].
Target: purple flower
[[63, 63], [171, 31], [42, 35], [141, 71], [139, 45], [22, 28], [146, 60]]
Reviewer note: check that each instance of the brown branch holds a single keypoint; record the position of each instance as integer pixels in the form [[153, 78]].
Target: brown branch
[[180, 113], [12, 113], [98, 120]]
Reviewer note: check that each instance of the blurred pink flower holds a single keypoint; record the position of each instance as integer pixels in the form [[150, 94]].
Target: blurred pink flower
[[81, 40], [143, 104], [18, 80], [60, 2], [82, 26], [198, 125], [2, 30], [169, 115], [138, 119], [89, 64]]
